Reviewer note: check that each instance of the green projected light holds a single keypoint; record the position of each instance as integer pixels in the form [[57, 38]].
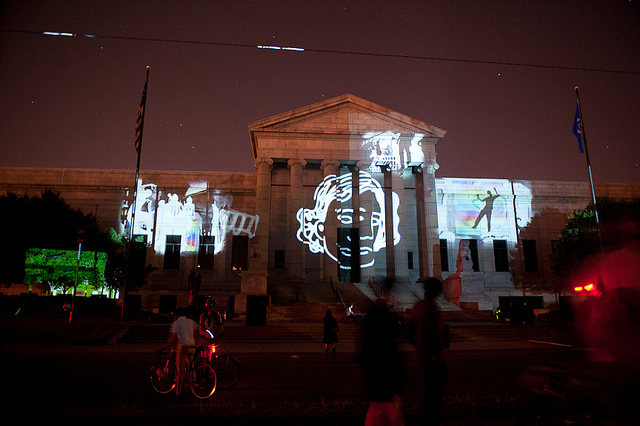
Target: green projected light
[[58, 268]]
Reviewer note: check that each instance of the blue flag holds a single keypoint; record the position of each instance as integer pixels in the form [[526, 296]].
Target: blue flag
[[577, 128]]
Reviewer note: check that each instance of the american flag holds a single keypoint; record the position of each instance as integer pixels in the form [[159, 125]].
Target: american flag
[[140, 119]]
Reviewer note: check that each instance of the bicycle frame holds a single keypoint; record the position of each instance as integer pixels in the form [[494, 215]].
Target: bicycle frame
[[197, 369]]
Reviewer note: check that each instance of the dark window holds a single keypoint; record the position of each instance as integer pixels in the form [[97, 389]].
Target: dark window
[[530, 255], [172, 252], [239, 252], [444, 255], [205, 254], [501, 255], [473, 248], [279, 259], [410, 259]]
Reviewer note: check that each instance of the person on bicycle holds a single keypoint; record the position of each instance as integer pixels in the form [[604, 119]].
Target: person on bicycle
[[184, 331], [211, 320]]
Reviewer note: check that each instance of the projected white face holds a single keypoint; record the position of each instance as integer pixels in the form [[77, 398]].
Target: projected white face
[[332, 197]]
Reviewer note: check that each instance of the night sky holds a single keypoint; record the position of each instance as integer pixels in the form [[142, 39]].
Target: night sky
[[498, 76]]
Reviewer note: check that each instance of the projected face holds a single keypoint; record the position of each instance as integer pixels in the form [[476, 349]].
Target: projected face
[[333, 198]]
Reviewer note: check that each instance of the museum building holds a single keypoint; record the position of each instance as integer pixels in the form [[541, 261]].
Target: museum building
[[345, 194]]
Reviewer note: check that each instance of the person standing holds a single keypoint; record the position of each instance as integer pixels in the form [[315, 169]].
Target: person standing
[[429, 337], [330, 335], [382, 364]]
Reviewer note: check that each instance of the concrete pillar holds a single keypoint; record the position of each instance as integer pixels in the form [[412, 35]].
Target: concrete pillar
[[294, 254], [329, 267], [259, 244], [423, 263], [388, 222], [401, 249], [253, 281], [431, 216]]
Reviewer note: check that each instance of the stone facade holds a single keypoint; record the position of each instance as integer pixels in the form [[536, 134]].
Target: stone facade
[[345, 191]]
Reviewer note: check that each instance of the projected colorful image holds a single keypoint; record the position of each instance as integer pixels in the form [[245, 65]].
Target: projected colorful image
[[482, 208], [201, 211], [58, 267], [392, 150], [333, 197]]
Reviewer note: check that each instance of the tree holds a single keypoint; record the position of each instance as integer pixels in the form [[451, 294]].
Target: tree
[[581, 241], [127, 261], [48, 222], [44, 221]]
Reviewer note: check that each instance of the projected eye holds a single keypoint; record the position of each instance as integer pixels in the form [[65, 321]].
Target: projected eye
[[345, 216], [376, 219]]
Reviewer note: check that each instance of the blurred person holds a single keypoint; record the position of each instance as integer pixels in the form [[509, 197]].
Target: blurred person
[[330, 334], [429, 337], [211, 320], [381, 359]]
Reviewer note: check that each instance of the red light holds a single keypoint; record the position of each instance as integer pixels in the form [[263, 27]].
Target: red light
[[589, 287], [578, 289]]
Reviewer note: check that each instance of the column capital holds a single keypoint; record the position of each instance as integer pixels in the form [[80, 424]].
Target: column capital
[[263, 160], [360, 165], [431, 167], [294, 161], [325, 164]]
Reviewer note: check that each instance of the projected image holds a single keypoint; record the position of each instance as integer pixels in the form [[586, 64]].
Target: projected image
[[482, 208], [333, 197], [58, 268], [201, 211], [391, 150]]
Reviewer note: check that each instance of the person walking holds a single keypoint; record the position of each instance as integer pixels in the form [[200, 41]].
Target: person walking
[[429, 337], [330, 335]]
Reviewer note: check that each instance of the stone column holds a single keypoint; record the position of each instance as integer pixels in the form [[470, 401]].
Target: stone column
[[330, 268], [400, 250], [421, 224], [254, 279], [431, 216], [388, 222], [364, 227], [259, 244], [294, 254]]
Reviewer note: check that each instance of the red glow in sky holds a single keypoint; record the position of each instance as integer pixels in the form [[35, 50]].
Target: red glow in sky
[[497, 76]]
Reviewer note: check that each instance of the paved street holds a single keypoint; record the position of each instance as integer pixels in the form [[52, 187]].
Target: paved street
[[288, 369]]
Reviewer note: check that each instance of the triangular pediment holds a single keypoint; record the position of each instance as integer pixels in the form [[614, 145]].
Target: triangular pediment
[[346, 114], [346, 128]]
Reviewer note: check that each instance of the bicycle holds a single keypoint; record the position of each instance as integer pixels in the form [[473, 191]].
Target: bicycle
[[200, 376], [226, 366]]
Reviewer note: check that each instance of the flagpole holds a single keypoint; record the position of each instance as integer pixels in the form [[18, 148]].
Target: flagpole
[[138, 146], [586, 152]]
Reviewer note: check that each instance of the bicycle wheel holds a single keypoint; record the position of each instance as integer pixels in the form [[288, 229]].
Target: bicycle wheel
[[163, 376], [203, 380], [227, 371]]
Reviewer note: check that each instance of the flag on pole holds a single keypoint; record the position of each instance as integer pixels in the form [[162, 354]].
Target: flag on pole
[[577, 127], [140, 120]]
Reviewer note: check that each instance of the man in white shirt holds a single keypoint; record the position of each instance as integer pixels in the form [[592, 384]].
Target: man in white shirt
[[183, 330]]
